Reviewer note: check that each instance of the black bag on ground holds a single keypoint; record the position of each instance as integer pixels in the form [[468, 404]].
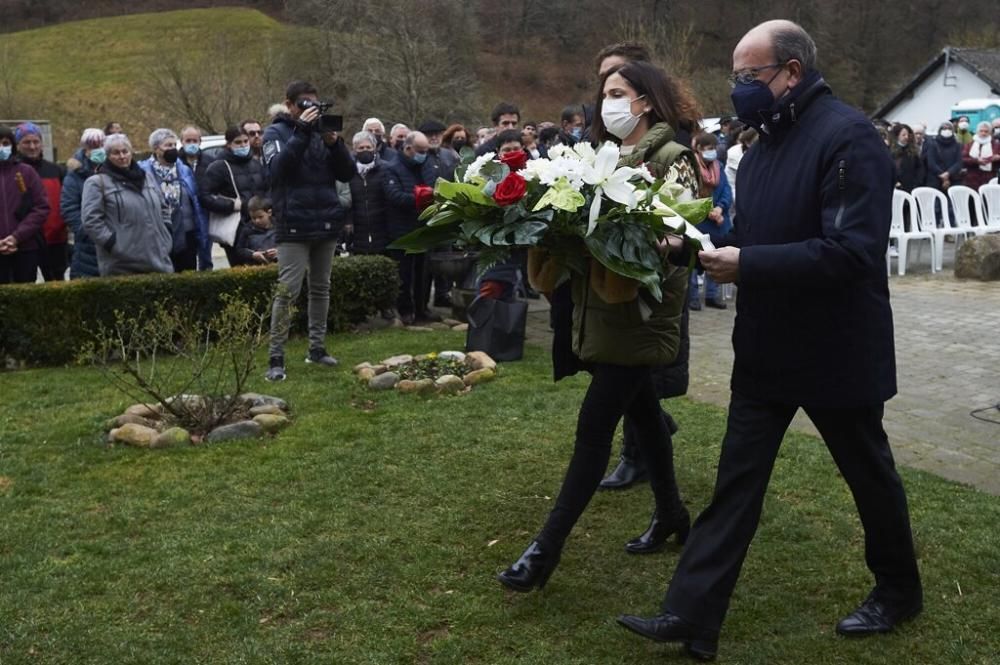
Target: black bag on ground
[[497, 327]]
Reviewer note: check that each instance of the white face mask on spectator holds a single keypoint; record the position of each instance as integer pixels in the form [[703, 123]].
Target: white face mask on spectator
[[946, 133]]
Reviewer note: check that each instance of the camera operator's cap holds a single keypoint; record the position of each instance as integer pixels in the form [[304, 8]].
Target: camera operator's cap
[[431, 127]]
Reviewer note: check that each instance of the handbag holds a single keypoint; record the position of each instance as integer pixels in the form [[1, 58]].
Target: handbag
[[222, 228], [497, 327]]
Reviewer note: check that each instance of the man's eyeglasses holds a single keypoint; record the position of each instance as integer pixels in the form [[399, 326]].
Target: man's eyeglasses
[[750, 75]]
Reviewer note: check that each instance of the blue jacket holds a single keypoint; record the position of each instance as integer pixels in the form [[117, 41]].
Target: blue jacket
[[722, 197], [303, 172], [190, 210], [813, 321], [84, 262], [401, 177]]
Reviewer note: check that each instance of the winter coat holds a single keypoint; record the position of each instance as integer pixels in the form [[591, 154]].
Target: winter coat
[[189, 215], [909, 168], [302, 171], [974, 176], [249, 239], [440, 163], [200, 168], [24, 204], [217, 187], [131, 228], [401, 177], [722, 197], [813, 321], [84, 263], [943, 155], [369, 210], [54, 228]]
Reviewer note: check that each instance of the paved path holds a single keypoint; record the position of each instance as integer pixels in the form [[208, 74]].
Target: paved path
[[948, 363]]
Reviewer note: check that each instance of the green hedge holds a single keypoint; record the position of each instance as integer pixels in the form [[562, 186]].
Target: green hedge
[[47, 323]]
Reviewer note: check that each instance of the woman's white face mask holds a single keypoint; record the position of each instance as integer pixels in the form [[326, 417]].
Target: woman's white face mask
[[617, 116]]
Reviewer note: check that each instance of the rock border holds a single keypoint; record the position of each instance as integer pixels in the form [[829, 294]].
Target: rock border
[[385, 375]]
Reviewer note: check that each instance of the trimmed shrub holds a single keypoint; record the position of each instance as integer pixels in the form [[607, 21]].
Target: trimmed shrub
[[49, 323]]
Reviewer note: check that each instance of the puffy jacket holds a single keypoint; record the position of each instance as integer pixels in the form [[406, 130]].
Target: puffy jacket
[[369, 210], [24, 205], [217, 187], [84, 263], [129, 224], [813, 321], [440, 163], [189, 215], [302, 171], [401, 177], [54, 228], [943, 155], [200, 167], [249, 239]]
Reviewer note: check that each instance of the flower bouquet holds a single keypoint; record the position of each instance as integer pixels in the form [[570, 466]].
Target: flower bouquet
[[577, 203]]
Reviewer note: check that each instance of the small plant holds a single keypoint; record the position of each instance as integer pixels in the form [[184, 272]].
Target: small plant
[[195, 369], [432, 366]]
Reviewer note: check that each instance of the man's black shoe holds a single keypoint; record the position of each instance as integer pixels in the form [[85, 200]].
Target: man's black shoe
[[627, 473], [701, 643], [875, 616], [715, 303], [694, 305]]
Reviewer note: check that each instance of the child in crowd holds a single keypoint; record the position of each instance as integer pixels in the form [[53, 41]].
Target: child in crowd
[[255, 242]]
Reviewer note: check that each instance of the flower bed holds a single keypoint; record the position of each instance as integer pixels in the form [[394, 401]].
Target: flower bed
[[447, 372]]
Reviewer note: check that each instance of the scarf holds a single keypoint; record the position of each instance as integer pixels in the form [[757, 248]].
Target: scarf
[[709, 176], [980, 149], [363, 169], [133, 176], [170, 183]]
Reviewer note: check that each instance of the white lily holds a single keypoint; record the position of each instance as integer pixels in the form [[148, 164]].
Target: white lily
[[610, 181], [562, 150], [476, 166], [585, 151]]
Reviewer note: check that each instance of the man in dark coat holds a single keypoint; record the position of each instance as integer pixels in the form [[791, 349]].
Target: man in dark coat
[[303, 164], [813, 331]]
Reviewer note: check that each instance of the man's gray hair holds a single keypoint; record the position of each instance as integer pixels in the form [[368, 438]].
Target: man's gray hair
[[159, 136], [792, 42], [374, 121], [363, 136], [111, 140], [197, 129], [398, 125]]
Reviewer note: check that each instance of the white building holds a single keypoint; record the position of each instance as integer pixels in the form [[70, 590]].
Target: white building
[[955, 75]]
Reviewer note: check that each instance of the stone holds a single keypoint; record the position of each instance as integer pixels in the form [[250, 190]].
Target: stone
[[266, 409], [449, 383], [396, 323], [396, 361], [244, 429], [361, 366], [457, 356], [380, 369], [478, 376], [425, 386], [173, 436], [270, 422], [419, 329], [479, 360], [407, 386], [256, 399], [151, 411], [979, 258], [461, 327], [438, 325], [385, 381], [451, 323], [127, 418], [134, 435], [366, 374]]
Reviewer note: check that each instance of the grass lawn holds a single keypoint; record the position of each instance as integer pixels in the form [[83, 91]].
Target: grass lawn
[[365, 534]]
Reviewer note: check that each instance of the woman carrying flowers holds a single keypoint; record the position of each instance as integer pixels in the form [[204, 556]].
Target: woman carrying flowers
[[620, 329]]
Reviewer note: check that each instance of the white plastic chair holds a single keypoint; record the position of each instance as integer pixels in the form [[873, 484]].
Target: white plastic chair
[[994, 181], [990, 194], [902, 202], [968, 208], [926, 198]]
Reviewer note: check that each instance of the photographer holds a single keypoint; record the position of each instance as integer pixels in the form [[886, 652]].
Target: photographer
[[304, 157]]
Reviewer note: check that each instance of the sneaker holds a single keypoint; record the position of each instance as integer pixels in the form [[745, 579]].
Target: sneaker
[[276, 369], [321, 357]]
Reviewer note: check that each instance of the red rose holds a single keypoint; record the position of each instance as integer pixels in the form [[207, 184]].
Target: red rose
[[423, 195], [510, 190], [516, 160]]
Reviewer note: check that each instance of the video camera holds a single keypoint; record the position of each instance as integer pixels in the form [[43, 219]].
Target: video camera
[[327, 122]]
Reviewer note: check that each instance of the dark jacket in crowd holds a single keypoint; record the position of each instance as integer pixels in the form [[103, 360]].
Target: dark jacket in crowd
[[401, 177], [369, 210], [128, 220], [386, 152], [813, 321], [84, 261], [909, 167], [199, 168], [302, 172], [24, 205], [440, 163], [216, 186], [249, 239], [52, 175], [943, 154]]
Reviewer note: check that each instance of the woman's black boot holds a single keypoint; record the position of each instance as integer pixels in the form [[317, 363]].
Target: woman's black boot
[[655, 537], [532, 569]]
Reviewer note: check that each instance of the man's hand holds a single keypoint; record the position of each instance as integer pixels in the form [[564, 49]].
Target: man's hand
[[309, 115], [722, 265], [330, 138], [716, 215]]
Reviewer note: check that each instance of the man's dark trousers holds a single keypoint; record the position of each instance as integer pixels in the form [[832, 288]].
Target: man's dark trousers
[[711, 562]]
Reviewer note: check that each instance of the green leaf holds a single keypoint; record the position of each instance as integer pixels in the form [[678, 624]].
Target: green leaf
[[424, 238], [561, 196], [451, 191], [494, 171], [529, 233], [649, 278]]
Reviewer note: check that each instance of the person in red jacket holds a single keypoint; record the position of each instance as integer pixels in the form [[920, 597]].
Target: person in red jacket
[[53, 257], [23, 209]]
